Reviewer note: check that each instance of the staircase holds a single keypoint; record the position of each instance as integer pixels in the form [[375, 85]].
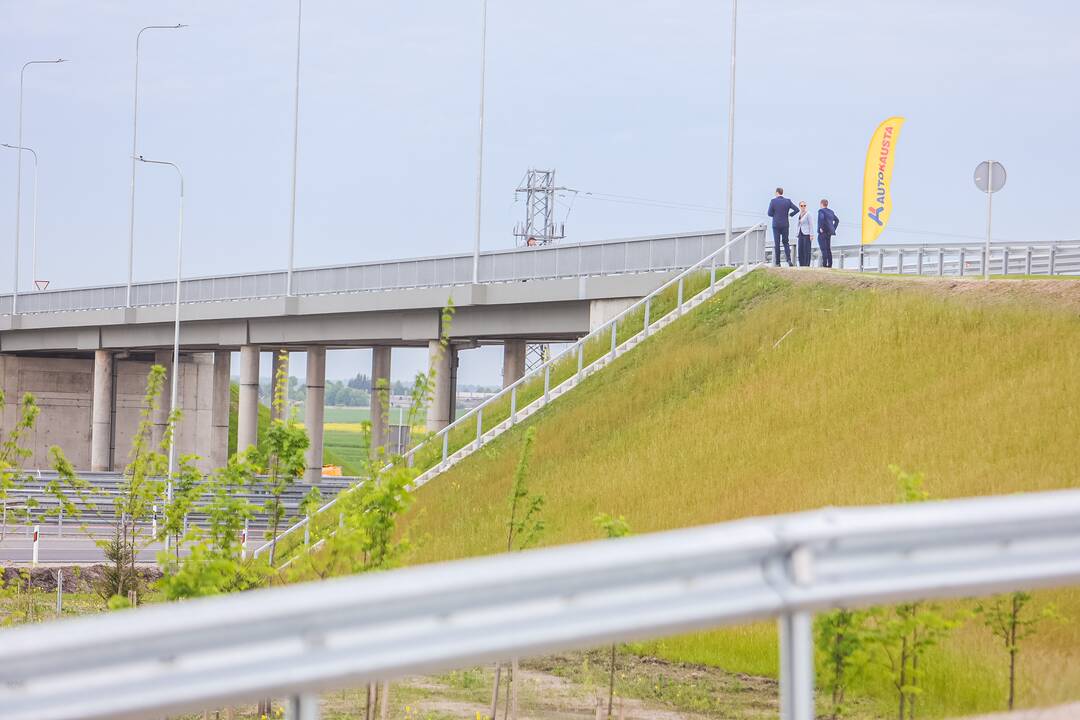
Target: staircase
[[460, 439]]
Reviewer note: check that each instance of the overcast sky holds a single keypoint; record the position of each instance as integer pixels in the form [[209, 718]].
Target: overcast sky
[[624, 97]]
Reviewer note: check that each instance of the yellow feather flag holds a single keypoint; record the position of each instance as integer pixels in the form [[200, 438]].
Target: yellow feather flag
[[877, 181]]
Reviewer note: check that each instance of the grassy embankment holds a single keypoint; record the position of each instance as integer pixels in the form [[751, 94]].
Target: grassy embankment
[[717, 418]]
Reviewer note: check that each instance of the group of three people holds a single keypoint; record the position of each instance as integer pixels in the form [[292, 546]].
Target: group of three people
[[781, 209]]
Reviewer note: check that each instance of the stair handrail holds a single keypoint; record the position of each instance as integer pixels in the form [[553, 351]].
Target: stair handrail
[[535, 373]]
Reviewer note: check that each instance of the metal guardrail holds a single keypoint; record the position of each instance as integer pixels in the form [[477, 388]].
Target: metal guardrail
[[954, 259], [297, 641], [475, 416], [654, 253]]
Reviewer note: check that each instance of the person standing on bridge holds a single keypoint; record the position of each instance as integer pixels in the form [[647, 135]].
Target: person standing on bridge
[[805, 224], [780, 209], [827, 222]]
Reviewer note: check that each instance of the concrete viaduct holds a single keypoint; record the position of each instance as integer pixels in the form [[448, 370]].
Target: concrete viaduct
[[85, 353]]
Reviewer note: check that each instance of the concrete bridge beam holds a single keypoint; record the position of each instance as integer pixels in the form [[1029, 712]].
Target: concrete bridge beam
[[380, 396], [101, 431], [248, 414], [314, 411], [513, 361]]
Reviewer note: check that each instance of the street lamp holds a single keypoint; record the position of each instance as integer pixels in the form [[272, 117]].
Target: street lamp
[[176, 330], [134, 142], [731, 148], [18, 179], [295, 150], [33, 264], [480, 146]]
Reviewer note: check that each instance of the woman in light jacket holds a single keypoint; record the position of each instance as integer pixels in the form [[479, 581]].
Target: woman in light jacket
[[805, 224]]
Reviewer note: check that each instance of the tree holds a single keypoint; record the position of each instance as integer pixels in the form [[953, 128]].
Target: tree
[[843, 652], [905, 633], [133, 506], [215, 562], [283, 458], [1010, 619], [13, 455], [612, 527]]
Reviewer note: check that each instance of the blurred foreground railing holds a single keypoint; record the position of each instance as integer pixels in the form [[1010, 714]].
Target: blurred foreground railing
[[299, 640]]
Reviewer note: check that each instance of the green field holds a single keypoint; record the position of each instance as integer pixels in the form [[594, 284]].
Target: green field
[[798, 390]]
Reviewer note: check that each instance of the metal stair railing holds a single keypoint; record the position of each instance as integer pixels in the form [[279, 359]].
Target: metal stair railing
[[472, 422]]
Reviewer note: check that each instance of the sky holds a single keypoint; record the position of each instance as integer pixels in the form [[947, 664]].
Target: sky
[[621, 97]]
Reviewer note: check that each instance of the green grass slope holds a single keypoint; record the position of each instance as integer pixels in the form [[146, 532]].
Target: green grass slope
[[795, 391]]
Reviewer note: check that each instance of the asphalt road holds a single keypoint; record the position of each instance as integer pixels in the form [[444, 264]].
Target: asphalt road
[[18, 550]]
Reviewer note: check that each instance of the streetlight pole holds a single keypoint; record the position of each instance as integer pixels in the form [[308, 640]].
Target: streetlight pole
[[18, 180], [134, 143], [480, 146], [33, 264], [295, 150], [731, 146], [176, 334]]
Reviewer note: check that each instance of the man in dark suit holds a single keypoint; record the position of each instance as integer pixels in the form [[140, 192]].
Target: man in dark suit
[[827, 222], [780, 209]]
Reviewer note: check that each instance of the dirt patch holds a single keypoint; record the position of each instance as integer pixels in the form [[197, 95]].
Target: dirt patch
[[78, 578], [1047, 294]]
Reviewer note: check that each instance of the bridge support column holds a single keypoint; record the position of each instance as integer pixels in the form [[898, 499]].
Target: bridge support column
[[280, 364], [441, 404], [513, 361], [380, 397], [161, 415], [248, 412], [101, 430], [314, 411], [219, 410]]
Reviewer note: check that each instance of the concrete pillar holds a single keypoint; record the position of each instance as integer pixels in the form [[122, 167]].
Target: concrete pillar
[[248, 413], [315, 411], [161, 415], [101, 430], [280, 364], [380, 400], [441, 403], [219, 409], [513, 361]]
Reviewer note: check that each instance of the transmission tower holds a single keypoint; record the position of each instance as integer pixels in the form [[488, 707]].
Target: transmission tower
[[539, 227]]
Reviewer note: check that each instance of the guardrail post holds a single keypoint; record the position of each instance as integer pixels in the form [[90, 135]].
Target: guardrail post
[[941, 262], [1053, 258], [547, 383], [153, 522], [679, 304], [445, 440], [1027, 263], [841, 258], [648, 307], [1005, 261], [513, 405], [862, 258], [899, 261], [961, 262], [244, 541], [307, 531], [60, 523], [479, 426], [303, 707], [796, 666], [613, 331], [580, 357], [920, 261], [34, 552], [59, 591], [881, 261]]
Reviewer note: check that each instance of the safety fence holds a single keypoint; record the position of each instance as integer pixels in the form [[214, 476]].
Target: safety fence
[[296, 641]]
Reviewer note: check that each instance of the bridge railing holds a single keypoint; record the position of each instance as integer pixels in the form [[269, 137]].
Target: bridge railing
[[954, 259], [605, 257], [568, 367], [297, 641]]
